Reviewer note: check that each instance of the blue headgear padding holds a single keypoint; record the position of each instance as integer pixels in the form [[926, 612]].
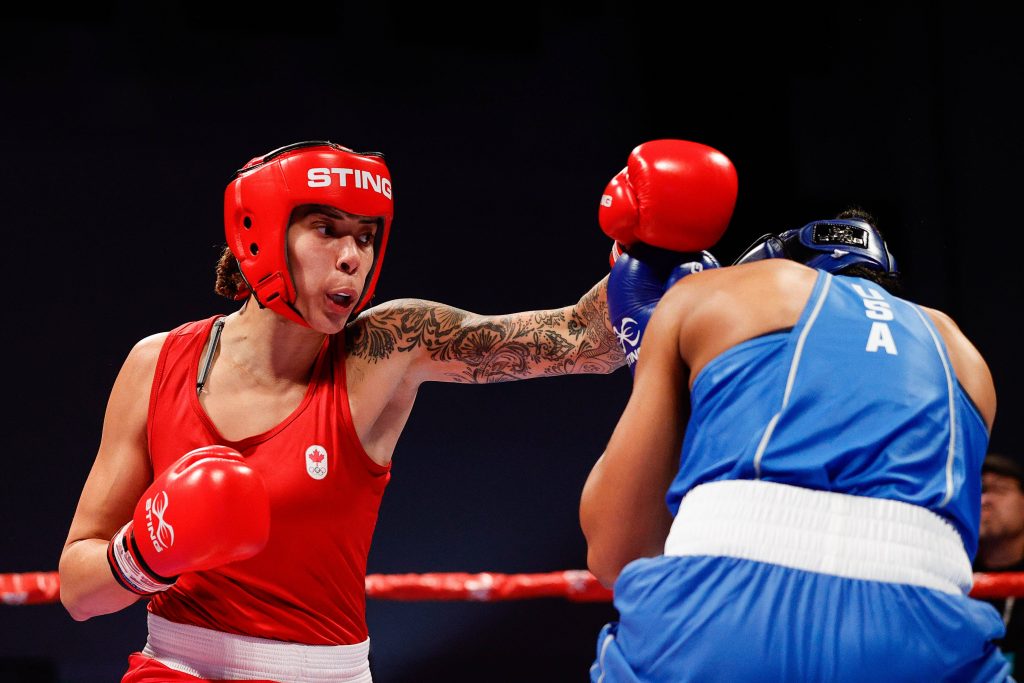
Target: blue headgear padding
[[829, 245], [701, 261]]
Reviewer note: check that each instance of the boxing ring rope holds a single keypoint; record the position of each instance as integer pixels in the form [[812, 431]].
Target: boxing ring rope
[[36, 588]]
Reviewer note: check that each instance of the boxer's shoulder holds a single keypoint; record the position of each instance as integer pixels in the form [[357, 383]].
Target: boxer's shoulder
[[782, 274], [140, 364], [736, 290], [399, 329], [148, 348], [963, 352], [717, 309], [969, 366], [381, 346], [780, 271]]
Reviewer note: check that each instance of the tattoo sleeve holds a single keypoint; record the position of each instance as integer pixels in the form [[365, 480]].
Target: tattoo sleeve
[[470, 348]]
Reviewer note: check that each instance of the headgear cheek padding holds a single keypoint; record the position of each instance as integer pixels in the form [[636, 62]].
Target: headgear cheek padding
[[259, 201], [829, 245]]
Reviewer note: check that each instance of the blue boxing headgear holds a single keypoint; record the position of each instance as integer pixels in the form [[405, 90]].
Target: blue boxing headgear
[[830, 245]]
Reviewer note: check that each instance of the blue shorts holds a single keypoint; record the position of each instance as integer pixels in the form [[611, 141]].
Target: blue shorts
[[723, 619]]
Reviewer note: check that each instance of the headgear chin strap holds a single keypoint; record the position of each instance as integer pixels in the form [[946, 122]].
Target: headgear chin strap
[[259, 201], [830, 245]]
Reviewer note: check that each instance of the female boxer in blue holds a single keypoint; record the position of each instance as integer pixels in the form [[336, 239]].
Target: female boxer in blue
[[824, 492]]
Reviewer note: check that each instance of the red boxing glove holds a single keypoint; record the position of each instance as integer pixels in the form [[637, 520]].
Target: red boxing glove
[[207, 509], [673, 194]]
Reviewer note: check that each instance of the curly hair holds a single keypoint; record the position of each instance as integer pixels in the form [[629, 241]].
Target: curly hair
[[230, 282]]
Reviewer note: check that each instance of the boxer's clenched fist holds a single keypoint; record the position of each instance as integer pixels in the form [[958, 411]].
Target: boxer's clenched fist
[[635, 286], [673, 194], [207, 509]]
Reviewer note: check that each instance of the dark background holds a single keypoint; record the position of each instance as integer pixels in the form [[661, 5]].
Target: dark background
[[121, 127]]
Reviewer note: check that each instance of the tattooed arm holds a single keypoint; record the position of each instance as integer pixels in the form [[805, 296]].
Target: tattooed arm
[[450, 345]]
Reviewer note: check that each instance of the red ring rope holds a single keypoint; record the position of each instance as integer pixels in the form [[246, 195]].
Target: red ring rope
[[37, 588]]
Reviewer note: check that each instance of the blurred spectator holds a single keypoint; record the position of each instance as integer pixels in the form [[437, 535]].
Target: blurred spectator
[[1001, 541]]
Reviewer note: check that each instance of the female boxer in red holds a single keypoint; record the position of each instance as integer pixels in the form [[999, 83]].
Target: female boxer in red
[[304, 406]]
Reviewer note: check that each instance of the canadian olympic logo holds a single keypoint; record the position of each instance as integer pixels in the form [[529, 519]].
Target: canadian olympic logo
[[162, 533], [316, 462]]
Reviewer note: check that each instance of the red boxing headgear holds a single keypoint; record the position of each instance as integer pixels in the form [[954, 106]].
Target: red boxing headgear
[[259, 201]]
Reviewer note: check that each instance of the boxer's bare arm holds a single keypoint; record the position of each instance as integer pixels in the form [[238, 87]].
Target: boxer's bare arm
[[435, 342], [622, 509], [970, 368], [119, 475]]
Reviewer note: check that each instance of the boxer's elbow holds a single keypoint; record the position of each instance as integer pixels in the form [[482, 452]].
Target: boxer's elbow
[[74, 603], [74, 609], [83, 605], [608, 554], [602, 527], [605, 560], [87, 586], [70, 598], [604, 571]]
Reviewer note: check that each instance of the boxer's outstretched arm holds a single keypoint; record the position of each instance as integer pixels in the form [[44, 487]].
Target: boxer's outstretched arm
[[622, 509], [119, 475], [446, 344]]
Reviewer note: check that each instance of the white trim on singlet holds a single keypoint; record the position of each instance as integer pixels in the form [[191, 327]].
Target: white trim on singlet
[[950, 391], [791, 379], [214, 655], [838, 534], [600, 658]]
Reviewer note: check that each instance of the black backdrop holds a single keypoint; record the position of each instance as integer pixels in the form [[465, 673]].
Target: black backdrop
[[121, 126]]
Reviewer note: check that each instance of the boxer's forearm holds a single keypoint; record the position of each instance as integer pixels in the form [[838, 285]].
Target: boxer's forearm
[[599, 344], [87, 586], [623, 519], [446, 344], [622, 509]]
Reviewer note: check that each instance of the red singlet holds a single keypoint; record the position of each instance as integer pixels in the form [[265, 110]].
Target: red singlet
[[308, 584]]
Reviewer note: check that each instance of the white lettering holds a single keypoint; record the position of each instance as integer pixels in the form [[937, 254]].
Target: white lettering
[[606, 200], [880, 337], [877, 310], [318, 177], [364, 180], [149, 526], [371, 181], [870, 294], [341, 173]]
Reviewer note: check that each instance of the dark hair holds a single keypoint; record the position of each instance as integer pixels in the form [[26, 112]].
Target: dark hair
[[891, 282], [857, 213], [230, 282], [1004, 465]]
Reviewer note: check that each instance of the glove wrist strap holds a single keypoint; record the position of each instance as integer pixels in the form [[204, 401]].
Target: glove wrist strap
[[128, 567]]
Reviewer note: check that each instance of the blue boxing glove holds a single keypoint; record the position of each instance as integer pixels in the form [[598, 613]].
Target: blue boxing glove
[[636, 284]]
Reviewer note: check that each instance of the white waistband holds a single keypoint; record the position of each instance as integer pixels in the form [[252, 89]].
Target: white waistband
[[215, 655], [819, 531]]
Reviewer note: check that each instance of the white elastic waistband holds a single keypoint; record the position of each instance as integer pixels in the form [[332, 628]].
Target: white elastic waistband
[[215, 655], [819, 531]]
